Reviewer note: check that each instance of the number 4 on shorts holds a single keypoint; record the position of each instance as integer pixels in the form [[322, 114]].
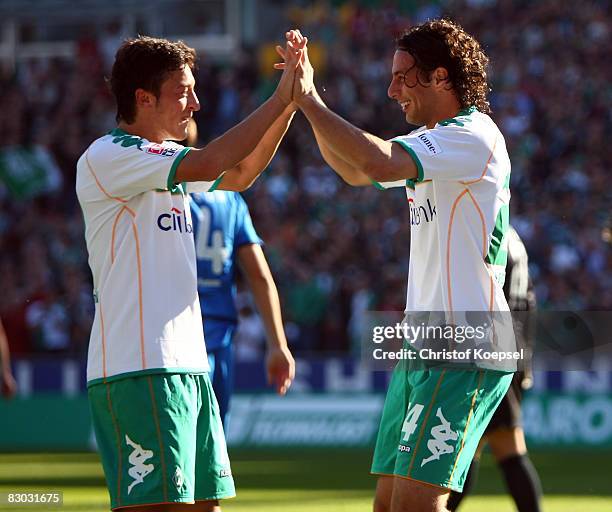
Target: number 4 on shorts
[[412, 418]]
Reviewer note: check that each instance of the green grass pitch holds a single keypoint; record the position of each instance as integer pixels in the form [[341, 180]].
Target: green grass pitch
[[316, 480]]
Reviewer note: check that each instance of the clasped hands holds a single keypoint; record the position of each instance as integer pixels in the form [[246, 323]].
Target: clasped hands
[[297, 81]]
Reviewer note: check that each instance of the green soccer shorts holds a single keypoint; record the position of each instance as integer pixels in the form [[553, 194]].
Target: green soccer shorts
[[432, 422], [161, 440]]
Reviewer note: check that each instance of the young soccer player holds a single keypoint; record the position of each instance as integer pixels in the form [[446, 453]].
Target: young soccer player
[[455, 170], [155, 416]]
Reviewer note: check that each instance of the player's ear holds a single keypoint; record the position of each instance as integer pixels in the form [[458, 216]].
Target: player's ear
[[439, 77], [144, 99]]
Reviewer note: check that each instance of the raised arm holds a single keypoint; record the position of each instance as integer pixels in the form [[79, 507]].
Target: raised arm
[[346, 171], [378, 159], [246, 172], [245, 150]]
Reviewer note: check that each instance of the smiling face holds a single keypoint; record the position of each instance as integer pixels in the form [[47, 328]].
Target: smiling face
[[166, 116], [413, 92], [176, 104]]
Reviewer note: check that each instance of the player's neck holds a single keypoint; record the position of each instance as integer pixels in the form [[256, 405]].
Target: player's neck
[[446, 107], [143, 129]]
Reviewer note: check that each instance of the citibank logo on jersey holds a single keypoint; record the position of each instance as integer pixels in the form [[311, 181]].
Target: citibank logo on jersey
[[419, 214], [176, 220]]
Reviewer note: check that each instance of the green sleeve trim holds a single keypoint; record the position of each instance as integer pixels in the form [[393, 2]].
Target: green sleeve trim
[[172, 187], [216, 183], [140, 373], [419, 166], [377, 185]]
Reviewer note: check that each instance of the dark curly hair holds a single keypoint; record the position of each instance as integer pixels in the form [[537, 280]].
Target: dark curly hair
[[444, 43], [145, 63]]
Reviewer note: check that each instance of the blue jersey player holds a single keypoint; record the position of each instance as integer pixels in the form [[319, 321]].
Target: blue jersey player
[[225, 236]]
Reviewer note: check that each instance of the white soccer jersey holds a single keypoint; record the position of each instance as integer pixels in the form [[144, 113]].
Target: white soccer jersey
[[458, 215], [141, 253]]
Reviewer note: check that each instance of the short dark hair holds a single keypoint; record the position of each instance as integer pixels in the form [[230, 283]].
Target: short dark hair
[[444, 43], [145, 63]]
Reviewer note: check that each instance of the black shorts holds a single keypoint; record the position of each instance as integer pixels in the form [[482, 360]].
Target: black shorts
[[508, 414]]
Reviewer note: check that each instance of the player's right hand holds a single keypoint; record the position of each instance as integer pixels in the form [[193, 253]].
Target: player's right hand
[[291, 55], [280, 367], [304, 78]]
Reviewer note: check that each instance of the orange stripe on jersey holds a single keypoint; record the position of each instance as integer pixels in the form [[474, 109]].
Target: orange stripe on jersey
[[467, 424], [484, 236], [125, 208], [121, 200], [139, 268], [117, 217], [482, 219], [484, 246], [484, 171], [448, 250]]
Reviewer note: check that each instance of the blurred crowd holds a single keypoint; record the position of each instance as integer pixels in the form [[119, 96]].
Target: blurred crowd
[[335, 251]]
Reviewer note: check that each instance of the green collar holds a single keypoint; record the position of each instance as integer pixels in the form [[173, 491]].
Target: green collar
[[467, 111], [117, 132], [462, 113]]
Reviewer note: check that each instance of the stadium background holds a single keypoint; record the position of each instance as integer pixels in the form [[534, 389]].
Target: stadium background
[[335, 251]]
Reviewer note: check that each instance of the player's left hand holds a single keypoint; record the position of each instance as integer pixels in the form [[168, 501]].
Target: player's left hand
[[304, 73], [280, 366], [291, 55]]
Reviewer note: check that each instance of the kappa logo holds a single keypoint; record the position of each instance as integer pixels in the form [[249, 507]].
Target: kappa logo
[[440, 434], [225, 472], [178, 478], [428, 141], [137, 459]]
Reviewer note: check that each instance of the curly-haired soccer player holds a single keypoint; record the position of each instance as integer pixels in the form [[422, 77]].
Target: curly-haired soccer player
[[455, 170]]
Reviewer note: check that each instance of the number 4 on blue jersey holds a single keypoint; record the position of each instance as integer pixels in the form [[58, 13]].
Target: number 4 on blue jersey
[[221, 224]]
